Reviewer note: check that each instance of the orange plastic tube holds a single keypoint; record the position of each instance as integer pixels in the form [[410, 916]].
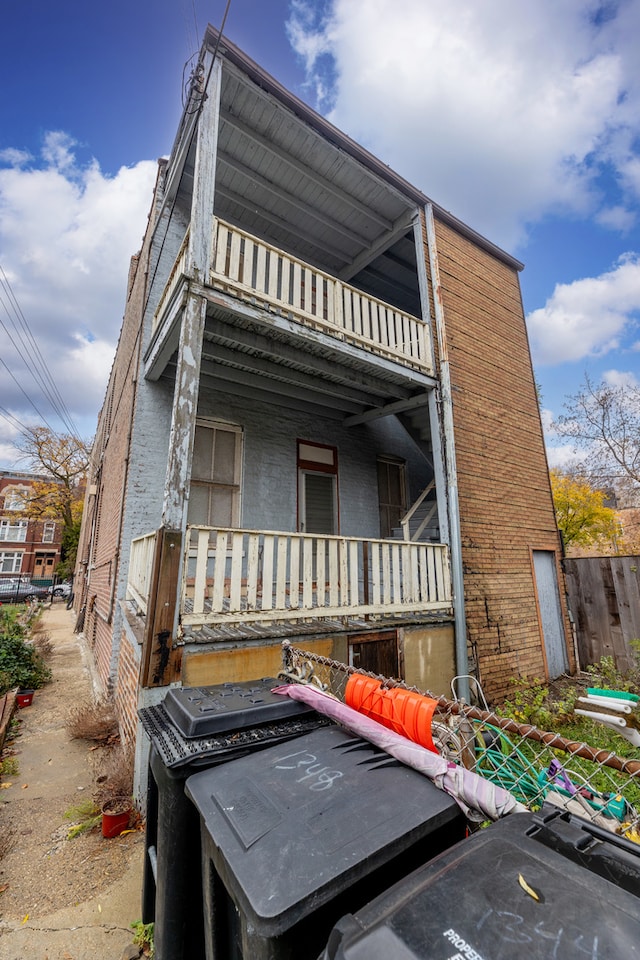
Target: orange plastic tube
[[403, 711]]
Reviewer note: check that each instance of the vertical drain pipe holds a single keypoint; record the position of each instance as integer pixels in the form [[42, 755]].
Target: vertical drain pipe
[[455, 539]]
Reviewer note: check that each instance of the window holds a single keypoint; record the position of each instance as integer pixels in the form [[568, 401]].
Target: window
[[214, 498], [15, 498], [317, 488], [14, 531], [10, 562], [49, 531]]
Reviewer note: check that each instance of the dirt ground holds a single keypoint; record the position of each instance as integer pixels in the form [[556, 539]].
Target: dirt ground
[[61, 899]]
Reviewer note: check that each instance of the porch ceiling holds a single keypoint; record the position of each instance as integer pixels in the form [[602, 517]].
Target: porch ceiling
[[244, 357], [282, 180]]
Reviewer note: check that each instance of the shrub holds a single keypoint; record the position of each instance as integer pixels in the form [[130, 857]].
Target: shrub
[[20, 663], [116, 776], [92, 720]]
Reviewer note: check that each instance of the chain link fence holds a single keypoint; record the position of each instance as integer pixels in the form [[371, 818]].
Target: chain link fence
[[534, 765]]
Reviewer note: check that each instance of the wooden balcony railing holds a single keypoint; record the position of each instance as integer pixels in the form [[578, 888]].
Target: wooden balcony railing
[[239, 576], [140, 568], [178, 271], [248, 267]]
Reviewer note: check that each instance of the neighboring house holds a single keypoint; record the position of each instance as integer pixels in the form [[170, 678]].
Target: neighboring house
[[29, 549], [321, 423]]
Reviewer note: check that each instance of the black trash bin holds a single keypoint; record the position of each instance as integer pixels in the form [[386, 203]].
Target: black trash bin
[[542, 886], [297, 834], [195, 728]]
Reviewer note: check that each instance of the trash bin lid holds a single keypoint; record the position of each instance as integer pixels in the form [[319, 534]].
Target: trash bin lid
[[199, 711], [293, 826], [506, 892]]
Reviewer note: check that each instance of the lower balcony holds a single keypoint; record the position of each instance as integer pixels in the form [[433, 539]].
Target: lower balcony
[[235, 577]]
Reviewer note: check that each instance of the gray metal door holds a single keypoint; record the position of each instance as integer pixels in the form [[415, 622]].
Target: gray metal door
[[550, 611]]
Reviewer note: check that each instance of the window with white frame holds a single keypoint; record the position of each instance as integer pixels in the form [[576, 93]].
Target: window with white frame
[[10, 562], [214, 498], [15, 498], [49, 531], [13, 531]]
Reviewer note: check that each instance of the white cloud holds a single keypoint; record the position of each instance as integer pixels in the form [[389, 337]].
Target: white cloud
[[588, 317], [500, 111], [617, 218], [561, 456], [621, 378], [67, 233]]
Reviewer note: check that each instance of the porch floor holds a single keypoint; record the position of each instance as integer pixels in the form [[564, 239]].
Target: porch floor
[[285, 629]]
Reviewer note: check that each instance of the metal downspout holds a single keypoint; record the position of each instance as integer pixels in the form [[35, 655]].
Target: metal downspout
[[455, 539]]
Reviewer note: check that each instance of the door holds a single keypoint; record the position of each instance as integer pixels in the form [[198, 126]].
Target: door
[[317, 488], [375, 652], [550, 612], [43, 566], [392, 494]]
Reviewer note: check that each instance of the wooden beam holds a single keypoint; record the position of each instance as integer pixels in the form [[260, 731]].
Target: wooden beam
[[316, 379], [402, 225], [161, 659], [345, 352], [398, 406]]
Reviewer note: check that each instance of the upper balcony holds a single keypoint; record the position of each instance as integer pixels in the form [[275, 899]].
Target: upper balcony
[[266, 277]]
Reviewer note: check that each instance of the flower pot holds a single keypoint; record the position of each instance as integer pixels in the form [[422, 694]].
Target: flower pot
[[24, 698], [115, 816]]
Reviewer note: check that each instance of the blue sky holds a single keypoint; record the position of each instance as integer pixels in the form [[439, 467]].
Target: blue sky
[[521, 118]]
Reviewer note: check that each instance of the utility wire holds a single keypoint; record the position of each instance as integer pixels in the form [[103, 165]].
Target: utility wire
[[46, 380], [29, 352], [26, 395], [41, 374], [15, 423]]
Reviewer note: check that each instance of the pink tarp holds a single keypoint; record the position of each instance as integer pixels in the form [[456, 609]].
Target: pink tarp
[[472, 792]]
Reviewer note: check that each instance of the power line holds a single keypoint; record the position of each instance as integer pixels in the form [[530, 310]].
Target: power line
[[41, 373], [14, 422], [27, 348], [25, 394]]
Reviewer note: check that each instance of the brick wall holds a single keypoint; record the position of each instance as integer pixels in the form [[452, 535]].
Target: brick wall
[[506, 509], [126, 693], [99, 570]]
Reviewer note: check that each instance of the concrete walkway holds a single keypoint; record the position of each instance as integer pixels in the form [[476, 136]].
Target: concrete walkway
[[77, 900]]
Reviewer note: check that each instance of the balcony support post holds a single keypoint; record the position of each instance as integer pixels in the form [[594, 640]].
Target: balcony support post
[[161, 659]]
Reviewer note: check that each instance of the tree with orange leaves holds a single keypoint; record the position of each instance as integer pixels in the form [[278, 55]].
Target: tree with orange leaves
[[61, 460]]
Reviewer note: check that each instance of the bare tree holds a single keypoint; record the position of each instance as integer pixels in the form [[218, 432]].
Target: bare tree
[[604, 423]]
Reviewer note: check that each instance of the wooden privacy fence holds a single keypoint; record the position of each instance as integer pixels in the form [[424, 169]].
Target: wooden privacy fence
[[604, 598]]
